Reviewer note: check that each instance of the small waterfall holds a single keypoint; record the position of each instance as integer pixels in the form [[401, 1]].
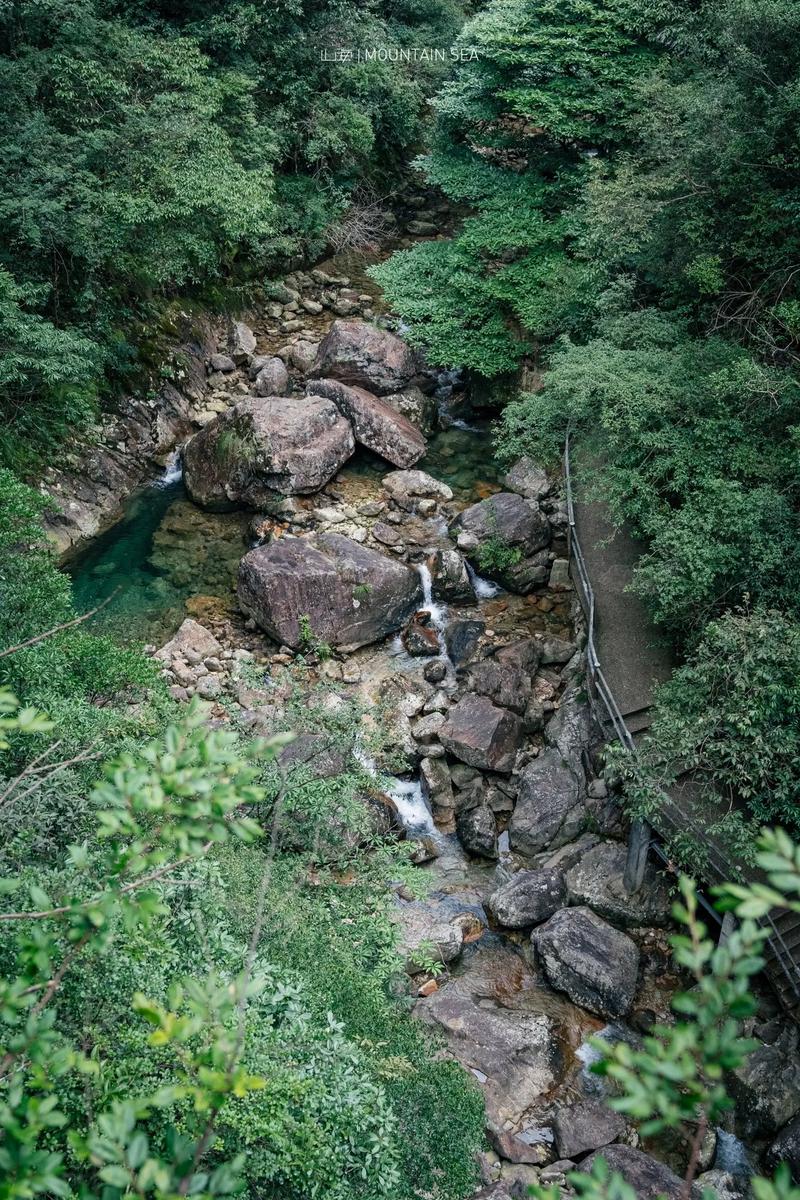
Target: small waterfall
[[484, 589], [732, 1155], [173, 471], [414, 814], [438, 611]]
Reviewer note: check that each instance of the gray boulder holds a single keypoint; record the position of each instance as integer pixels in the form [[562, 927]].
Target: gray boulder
[[550, 811], [450, 578], [426, 931], [461, 638], [327, 588], [416, 406], [766, 1086], [375, 423], [648, 1177], [527, 478], [241, 342], [477, 831], [505, 683], [528, 898], [272, 379], [287, 444], [595, 964], [517, 527], [362, 355], [586, 1126], [598, 880], [722, 1185], [482, 735], [786, 1148]]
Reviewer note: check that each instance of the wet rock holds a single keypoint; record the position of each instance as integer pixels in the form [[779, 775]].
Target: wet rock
[[550, 810], [316, 753], [435, 672], [786, 1148], [328, 588], [272, 379], [461, 639], [259, 447], [767, 1086], [416, 406], [450, 578], [595, 964], [406, 488], [477, 831], [528, 898], [648, 1177], [598, 880], [527, 478], [585, 1126], [362, 355], [510, 535], [482, 735], [419, 637], [241, 342], [504, 683], [375, 423], [426, 729], [426, 932]]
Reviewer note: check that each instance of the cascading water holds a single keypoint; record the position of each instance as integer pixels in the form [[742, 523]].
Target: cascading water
[[414, 814], [732, 1155], [484, 589], [173, 471]]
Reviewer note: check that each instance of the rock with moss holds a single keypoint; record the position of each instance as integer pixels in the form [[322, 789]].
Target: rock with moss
[[506, 537]]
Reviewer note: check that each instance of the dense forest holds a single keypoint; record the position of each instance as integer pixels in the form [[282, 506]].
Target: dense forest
[[182, 1010]]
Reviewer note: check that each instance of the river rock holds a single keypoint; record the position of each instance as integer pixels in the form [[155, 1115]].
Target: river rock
[[416, 406], [477, 831], [585, 1126], [241, 342], [419, 637], [193, 642], [407, 487], [437, 786], [648, 1177], [550, 811], [375, 423], [344, 594], [598, 880], [721, 1184], [786, 1148], [596, 965], [527, 478], [272, 379], [427, 931], [364, 356], [516, 1053], [766, 1086], [505, 684], [461, 639], [223, 363], [482, 735], [449, 577], [528, 898], [287, 444], [515, 526]]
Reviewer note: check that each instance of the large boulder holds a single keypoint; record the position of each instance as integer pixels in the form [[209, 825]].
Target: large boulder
[[550, 811], [599, 881], [527, 478], [586, 1126], [328, 588], [272, 378], [505, 683], [595, 964], [426, 931], [287, 444], [786, 1148], [417, 406], [362, 355], [482, 735], [477, 831], [375, 423], [766, 1086], [648, 1177], [528, 898], [450, 579], [507, 537], [241, 342]]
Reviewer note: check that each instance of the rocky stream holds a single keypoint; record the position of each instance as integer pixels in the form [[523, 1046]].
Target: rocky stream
[[334, 517]]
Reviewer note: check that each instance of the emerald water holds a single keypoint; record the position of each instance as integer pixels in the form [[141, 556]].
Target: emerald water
[[166, 559]]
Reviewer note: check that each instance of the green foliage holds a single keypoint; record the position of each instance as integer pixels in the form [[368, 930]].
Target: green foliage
[[310, 642], [494, 554], [678, 1076]]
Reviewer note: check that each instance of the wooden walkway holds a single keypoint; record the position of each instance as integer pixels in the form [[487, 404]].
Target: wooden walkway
[[626, 661]]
